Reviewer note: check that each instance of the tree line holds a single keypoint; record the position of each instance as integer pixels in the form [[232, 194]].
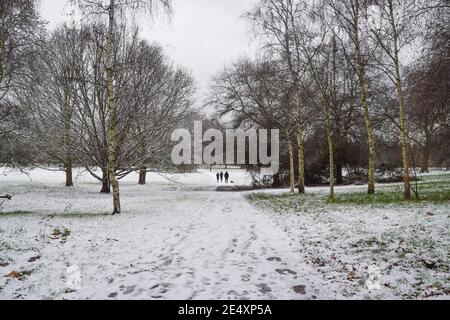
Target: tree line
[[93, 94], [355, 84]]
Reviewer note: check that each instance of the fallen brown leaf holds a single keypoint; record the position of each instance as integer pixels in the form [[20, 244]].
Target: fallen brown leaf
[[13, 274], [351, 275]]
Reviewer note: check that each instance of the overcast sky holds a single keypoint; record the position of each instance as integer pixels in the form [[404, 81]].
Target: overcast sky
[[203, 35]]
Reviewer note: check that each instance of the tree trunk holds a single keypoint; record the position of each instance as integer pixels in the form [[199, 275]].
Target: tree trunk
[[276, 180], [106, 188], [339, 176], [142, 175], [67, 115], [69, 174], [401, 103], [112, 109], [331, 164], [2, 50], [291, 162], [363, 100], [372, 152], [299, 135], [404, 143], [425, 158], [330, 147]]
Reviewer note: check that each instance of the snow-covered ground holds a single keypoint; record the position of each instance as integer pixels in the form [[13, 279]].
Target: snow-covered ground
[[181, 239]]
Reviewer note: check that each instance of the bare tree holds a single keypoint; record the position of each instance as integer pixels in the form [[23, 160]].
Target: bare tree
[[394, 32], [20, 30], [48, 94], [276, 21], [257, 93], [347, 17], [115, 10], [320, 71], [427, 93], [154, 96]]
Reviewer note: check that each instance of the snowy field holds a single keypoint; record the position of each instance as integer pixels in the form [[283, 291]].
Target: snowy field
[[181, 239]]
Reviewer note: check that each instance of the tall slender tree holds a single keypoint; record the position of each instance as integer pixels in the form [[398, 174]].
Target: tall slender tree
[[275, 20], [116, 10], [347, 17], [20, 33], [392, 34]]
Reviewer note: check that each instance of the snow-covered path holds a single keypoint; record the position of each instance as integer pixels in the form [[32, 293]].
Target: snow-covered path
[[174, 241], [224, 249]]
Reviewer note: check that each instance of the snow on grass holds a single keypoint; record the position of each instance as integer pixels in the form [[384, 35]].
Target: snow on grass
[[407, 244], [180, 239], [174, 240]]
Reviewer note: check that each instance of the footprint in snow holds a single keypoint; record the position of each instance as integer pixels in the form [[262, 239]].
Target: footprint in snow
[[274, 259], [264, 288], [285, 271], [299, 289], [245, 278], [129, 289]]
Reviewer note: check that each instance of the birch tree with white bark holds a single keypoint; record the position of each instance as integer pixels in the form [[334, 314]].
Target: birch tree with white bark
[[115, 11]]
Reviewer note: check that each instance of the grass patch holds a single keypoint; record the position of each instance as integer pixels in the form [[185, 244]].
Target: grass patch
[[15, 213], [77, 215], [436, 191], [291, 202], [432, 189], [69, 215], [62, 234]]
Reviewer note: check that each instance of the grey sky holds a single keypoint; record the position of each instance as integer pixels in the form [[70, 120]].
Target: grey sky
[[202, 36]]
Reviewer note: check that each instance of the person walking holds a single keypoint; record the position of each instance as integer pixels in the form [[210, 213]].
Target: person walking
[[221, 176], [227, 175], [218, 177]]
